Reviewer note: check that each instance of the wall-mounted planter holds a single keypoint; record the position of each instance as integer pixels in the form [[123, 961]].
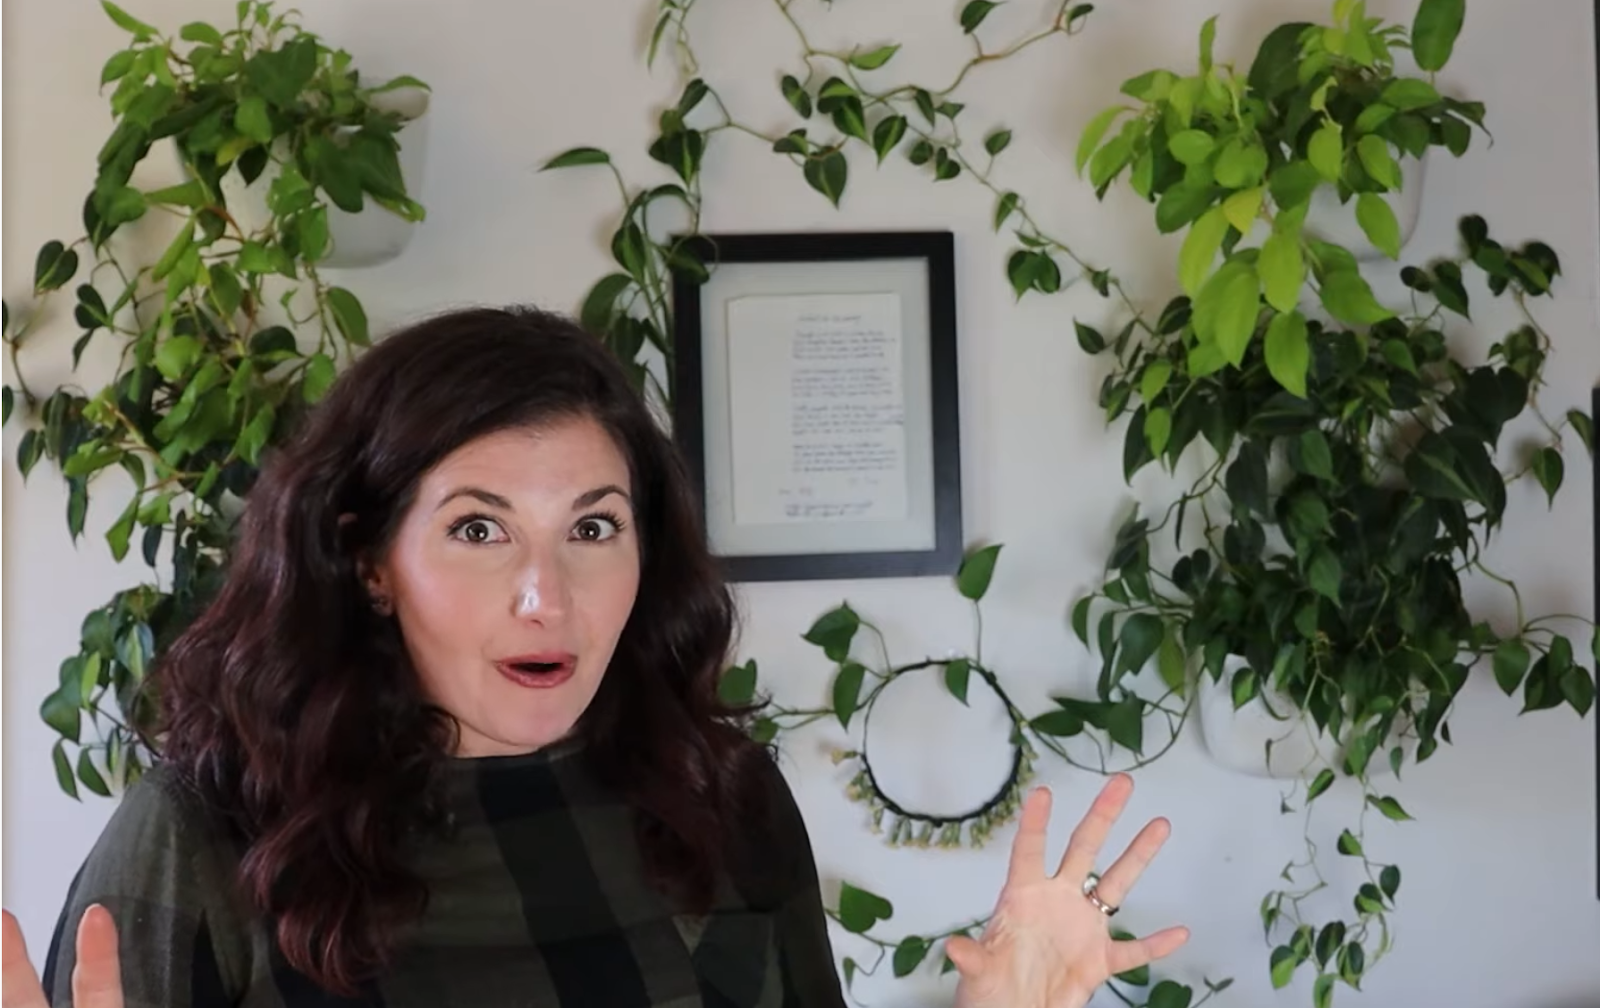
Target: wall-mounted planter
[[1333, 221], [375, 235]]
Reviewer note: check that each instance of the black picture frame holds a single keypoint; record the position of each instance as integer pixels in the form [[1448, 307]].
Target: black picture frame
[[695, 298]]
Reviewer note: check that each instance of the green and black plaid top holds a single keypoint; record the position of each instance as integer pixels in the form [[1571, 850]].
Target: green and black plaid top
[[538, 900]]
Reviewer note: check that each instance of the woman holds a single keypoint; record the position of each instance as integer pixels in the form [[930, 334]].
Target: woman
[[449, 734]]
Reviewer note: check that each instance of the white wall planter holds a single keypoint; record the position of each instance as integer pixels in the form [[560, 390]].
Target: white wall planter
[[375, 235], [1332, 221]]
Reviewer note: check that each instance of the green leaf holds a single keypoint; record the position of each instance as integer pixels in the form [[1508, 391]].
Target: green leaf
[[1089, 338], [1434, 31], [1389, 881], [1325, 573], [1511, 660], [1283, 270], [1321, 783], [847, 691], [199, 31], [138, 29], [827, 174], [318, 378], [122, 530], [1288, 352], [833, 632], [1549, 469], [1208, 39], [1156, 375], [1004, 208], [1349, 299], [1191, 146], [1292, 185], [1243, 207], [91, 776], [64, 777], [874, 59], [252, 119], [1058, 724], [1349, 845], [176, 355], [1181, 204], [1581, 423], [349, 316], [1141, 635], [977, 570], [1238, 306], [1200, 248], [974, 12], [1169, 994], [798, 98], [53, 267], [1389, 807], [1373, 151], [957, 676], [997, 141], [737, 687], [1409, 93], [1158, 429], [1322, 991], [1325, 151], [1282, 965], [860, 910], [1093, 133], [7, 401], [1241, 163], [887, 134], [117, 66], [909, 954], [577, 156], [1378, 221]]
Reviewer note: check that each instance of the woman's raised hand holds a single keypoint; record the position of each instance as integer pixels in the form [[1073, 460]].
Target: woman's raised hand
[[96, 979], [1049, 944]]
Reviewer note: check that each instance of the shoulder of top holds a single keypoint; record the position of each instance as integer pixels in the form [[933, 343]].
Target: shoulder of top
[[163, 793]]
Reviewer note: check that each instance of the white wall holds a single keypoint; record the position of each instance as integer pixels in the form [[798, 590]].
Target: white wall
[[1498, 907]]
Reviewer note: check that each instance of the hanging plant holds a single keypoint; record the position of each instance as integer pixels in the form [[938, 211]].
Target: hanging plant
[[221, 340], [1349, 479]]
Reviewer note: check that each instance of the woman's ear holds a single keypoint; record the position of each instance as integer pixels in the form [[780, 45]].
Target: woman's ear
[[372, 576]]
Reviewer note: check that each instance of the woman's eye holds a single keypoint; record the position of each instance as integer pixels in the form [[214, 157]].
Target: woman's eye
[[596, 529], [480, 530]]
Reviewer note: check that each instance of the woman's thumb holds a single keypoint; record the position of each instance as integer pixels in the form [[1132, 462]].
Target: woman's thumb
[[968, 956]]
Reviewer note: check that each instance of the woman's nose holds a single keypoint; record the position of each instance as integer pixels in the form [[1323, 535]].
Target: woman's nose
[[540, 591]]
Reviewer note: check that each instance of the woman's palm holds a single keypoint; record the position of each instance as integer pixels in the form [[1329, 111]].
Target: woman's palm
[[1048, 945]]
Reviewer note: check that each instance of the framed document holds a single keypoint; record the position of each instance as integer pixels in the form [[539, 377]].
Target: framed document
[[817, 404]]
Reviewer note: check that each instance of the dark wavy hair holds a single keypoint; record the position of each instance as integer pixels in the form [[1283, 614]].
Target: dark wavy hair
[[293, 711]]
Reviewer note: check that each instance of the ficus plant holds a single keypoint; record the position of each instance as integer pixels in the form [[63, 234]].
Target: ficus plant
[[221, 335], [1353, 458]]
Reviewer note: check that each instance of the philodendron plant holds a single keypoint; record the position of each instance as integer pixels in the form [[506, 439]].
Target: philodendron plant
[[1354, 460], [220, 339]]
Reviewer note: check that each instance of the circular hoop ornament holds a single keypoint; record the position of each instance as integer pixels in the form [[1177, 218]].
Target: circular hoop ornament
[[908, 827]]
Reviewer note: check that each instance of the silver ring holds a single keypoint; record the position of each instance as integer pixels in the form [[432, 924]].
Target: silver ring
[[1092, 894]]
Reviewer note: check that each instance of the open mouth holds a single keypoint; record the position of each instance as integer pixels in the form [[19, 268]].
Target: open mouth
[[538, 670]]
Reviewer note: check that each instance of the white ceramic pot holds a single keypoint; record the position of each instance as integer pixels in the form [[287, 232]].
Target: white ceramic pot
[[1333, 221], [375, 235]]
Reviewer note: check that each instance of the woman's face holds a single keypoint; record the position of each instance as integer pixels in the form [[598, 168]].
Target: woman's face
[[512, 576]]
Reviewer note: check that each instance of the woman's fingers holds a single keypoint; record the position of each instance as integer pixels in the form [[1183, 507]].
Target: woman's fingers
[[1121, 877], [1027, 850], [97, 977], [1084, 846], [1128, 955], [19, 984]]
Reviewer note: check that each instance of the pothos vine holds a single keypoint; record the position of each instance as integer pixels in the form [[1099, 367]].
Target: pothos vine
[[631, 309]]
